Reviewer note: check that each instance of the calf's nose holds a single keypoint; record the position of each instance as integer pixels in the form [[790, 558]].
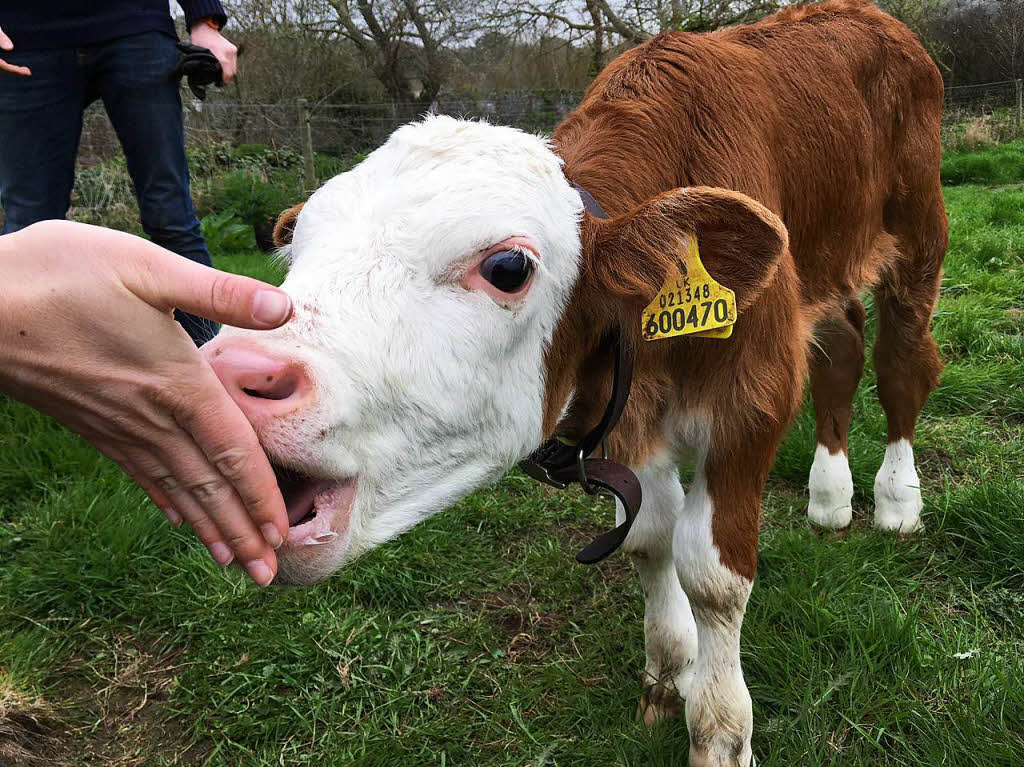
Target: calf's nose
[[263, 385]]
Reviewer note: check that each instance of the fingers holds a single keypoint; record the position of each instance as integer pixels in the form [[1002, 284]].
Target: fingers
[[169, 281], [229, 64], [158, 498], [7, 45], [157, 475], [208, 502], [184, 480], [146, 472], [155, 495], [228, 441], [14, 70]]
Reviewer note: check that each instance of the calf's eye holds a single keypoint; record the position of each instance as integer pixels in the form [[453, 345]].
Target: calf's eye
[[507, 270]]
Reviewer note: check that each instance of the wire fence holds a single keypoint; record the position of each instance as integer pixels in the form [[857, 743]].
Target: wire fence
[[974, 114], [332, 128], [981, 114]]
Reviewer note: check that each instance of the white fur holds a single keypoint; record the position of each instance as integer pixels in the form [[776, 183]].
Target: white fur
[[669, 631], [718, 706], [424, 389], [831, 489], [898, 501]]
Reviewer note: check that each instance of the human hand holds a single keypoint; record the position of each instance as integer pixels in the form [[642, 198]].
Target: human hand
[[7, 45], [87, 336], [227, 54]]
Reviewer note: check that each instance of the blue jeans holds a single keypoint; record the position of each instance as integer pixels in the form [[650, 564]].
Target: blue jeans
[[41, 123]]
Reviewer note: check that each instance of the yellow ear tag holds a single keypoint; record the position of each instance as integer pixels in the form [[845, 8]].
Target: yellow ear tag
[[690, 302]]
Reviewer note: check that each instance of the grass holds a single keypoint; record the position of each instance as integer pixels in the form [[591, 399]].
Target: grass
[[1003, 164], [475, 640]]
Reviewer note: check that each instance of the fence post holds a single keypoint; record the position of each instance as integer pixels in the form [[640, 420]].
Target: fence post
[[1020, 103], [306, 136]]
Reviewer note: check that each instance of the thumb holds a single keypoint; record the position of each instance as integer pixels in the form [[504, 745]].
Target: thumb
[[170, 281], [5, 42]]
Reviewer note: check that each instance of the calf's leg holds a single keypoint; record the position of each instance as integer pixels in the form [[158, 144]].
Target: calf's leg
[[906, 358], [837, 362], [670, 636], [716, 556]]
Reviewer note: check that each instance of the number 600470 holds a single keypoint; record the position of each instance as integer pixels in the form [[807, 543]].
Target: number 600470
[[677, 319]]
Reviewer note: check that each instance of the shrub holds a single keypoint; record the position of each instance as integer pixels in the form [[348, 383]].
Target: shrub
[[326, 166], [226, 232], [255, 201], [995, 165], [258, 192], [259, 159]]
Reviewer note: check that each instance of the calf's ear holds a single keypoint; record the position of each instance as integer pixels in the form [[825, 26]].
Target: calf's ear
[[285, 226], [740, 243]]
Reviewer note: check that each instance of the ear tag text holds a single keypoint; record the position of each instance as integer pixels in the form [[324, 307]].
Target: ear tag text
[[690, 302]]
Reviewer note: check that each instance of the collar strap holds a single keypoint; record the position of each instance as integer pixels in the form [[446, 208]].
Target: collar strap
[[592, 206], [559, 463]]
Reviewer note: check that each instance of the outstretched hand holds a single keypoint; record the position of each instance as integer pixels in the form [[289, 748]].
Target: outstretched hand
[[87, 336]]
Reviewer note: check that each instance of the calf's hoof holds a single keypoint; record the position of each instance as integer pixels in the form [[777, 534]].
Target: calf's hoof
[[657, 704], [898, 512], [731, 757], [834, 517], [830, 486], [898, 501]]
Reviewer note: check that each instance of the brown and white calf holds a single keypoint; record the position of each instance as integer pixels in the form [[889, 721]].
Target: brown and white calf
[[454, 305]]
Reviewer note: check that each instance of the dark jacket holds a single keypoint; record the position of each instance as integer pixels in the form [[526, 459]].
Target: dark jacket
[[35, 25]]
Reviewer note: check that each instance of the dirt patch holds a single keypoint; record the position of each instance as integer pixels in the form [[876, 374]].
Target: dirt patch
[[29, 729], [936, 458], [114, 715], [528, 631]]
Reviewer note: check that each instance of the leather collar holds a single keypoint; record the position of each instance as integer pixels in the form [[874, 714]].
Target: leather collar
[[559, 464]]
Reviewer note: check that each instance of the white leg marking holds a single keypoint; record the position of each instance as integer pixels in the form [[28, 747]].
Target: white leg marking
[[669, 631], [898, 501], [718, 709], [831, 489]]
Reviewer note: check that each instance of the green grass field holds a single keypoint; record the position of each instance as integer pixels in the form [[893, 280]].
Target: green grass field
[[476, 640]]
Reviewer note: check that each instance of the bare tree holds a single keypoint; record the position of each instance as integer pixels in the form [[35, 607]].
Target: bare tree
[[1006, 28], [925, 18], [404, 42], [609, 25]]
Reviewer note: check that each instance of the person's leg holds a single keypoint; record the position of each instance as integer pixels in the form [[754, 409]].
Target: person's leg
[[40, 125], [142, 99]]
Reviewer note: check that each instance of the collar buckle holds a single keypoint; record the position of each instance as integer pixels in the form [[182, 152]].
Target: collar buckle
[[541, 472]]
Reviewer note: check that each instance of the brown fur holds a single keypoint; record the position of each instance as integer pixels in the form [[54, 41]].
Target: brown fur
[[827, 116], [285, 226], [836, 367]]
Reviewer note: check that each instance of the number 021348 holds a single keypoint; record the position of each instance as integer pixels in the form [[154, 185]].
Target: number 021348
[[690, 301]]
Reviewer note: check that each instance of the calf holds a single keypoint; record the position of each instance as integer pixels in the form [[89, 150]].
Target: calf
[[456, 306]]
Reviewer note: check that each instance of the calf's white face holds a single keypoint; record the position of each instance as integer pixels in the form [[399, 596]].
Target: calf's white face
[[413, 369]]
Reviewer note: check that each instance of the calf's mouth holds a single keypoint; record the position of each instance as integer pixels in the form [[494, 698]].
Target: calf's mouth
[[318, 509]]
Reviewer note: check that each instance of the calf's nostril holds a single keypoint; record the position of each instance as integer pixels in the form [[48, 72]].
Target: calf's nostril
[[280, 388], [256, 379]]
